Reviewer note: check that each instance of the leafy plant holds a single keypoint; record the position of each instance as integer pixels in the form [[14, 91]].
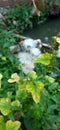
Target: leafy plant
[[9, 125], [19, 18], [57, 3], [29, 101]]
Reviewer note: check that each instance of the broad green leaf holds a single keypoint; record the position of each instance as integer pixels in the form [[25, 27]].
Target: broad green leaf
[[2, 123], [15, 103], [50, 79], [44, 58], [35, 90], [32, 75], [13, 125], [21, 92], [9, 94], [5, 106]]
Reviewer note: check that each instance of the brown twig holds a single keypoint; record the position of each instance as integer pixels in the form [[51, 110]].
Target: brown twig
[[35, 11], [20, 36], [23, 38], [46, 45]]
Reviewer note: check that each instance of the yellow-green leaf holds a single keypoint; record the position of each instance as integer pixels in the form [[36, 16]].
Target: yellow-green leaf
[[21, 92], [3, 58], [50, 79], [44, 58], [14, 78], [5, 106], [9, 94], [1, 76], [58, 40], [13, 125], [32, 75], [2, 123], [15, 103], [35, 90]]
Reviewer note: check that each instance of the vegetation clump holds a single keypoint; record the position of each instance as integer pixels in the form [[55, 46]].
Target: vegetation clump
[[32, 101]]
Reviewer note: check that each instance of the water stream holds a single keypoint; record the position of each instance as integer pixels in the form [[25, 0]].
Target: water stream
[[45, 31]]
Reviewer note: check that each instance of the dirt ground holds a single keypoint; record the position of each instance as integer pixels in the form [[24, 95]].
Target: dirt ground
[[11, 3]]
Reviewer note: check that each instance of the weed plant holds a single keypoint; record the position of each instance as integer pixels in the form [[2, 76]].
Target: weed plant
[[19, 18], [32, 101]]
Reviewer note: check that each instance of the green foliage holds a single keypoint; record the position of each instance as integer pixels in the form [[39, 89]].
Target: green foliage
[[50, 79], [2, 123], [39, 104], [33, 99], [34, 88], [19, 18], [6, 39], [9, 125], [8, 62], [57, 3]]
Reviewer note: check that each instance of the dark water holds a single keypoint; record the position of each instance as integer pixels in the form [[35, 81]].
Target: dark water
[[45, 31]]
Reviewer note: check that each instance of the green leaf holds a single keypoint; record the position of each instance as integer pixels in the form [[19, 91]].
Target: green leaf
[[35, 90], [5, 106], [13, 125], [21, 92], [51, 108], [15, 104], [2, 123], [32, 75], [50, 79], [44, 58], [28, 124]]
